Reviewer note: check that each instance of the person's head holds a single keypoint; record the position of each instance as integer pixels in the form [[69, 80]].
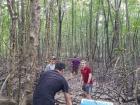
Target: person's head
[[83, 63], [53, 60], [60, 67], [75, 56]]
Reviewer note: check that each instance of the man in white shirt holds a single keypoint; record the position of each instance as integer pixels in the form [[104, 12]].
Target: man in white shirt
[[51, 65]]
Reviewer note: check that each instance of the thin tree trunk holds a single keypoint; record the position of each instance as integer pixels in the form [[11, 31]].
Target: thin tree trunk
[[48, 28], [47, 32], [107, 45], [60, 18], [72, 27], [34, 38], [90, 31], [115, 40], [13, 42], [21, 23]]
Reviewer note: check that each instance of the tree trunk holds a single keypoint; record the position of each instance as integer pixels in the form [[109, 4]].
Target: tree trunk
[[34, 38], [13, 42], [21, 26], [90, 32], [60, 18]]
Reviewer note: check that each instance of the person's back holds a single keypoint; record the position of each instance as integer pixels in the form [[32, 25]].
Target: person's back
[[75, 65], [49, 84], [75, 62]]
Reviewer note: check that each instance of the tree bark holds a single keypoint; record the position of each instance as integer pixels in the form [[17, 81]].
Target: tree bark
[[13, 41], [34, 38]]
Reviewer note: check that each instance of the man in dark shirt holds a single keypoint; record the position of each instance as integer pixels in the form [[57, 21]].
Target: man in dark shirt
[[49, 84]]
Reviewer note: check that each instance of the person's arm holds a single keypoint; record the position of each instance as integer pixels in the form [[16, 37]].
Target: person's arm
[[89, 78], [66, 93], [47, 67], [90, 75], [68, 98], [81, 79]]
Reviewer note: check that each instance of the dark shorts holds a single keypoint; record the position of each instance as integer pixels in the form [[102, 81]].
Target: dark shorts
[[87, 88]]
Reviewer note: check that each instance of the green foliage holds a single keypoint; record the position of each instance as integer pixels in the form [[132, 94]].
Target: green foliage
[[136, 24], [119, 50], [133, 2], [4, 30], [81, 20]]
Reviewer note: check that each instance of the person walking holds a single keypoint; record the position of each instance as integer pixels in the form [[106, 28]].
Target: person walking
[[49, 83], [75, 65], [86, 78], [51, 65]]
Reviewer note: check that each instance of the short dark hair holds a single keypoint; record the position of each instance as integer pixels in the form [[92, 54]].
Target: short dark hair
[[53, 58], [59, 66]]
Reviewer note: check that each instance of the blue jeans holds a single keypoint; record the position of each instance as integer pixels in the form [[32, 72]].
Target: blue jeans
[[87, 88]]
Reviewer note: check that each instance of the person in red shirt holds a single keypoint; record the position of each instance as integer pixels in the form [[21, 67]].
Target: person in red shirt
[[86, 78]]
